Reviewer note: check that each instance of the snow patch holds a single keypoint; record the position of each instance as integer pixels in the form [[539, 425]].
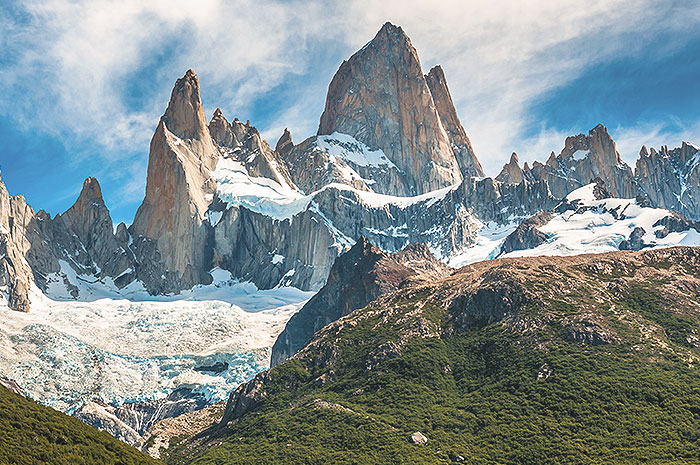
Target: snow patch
[[262, 195], [580, 154], [350, 149]]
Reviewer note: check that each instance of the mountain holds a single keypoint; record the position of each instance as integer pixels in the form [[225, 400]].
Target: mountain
[[665, 179], [590, 220], [357, 277], [381, 98], [587, 220], [670, 178], [179, 190], [390, 184], [461, 146], [391, 162], [583, 158], [32, 433], [523, 360]]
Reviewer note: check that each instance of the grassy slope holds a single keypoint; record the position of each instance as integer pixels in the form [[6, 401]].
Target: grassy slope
[[34, 434], [484, 393]]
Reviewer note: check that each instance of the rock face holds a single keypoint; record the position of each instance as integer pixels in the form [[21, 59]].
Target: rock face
[[284, 143], [15, 274], [179, 187], [511, 172], [11, 386], [461, 146], [670, 178], [243, 144], [88, 220], [357, 278], [39, 249], [129, 422], [382, 99], [584, 158], [635, 241], [526, 235]]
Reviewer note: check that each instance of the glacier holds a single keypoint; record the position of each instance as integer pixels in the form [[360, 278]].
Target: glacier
[[108, 348]]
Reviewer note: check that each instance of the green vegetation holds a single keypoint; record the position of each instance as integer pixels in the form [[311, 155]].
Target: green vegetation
[[33, 434], [649, 304], [493, 393]]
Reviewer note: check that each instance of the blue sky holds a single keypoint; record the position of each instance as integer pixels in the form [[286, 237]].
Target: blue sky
[[83, 83]]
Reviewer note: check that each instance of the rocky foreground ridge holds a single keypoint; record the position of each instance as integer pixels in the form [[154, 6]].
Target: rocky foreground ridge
[[390, 162], [505, 361]]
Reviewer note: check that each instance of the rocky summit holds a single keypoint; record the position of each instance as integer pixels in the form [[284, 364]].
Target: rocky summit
[[381, 98], [357, 277]]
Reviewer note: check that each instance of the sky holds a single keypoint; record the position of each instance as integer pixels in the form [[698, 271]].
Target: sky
[[84, 82]]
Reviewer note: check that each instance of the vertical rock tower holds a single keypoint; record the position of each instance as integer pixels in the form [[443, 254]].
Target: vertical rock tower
[[179, 187], [381, 98]]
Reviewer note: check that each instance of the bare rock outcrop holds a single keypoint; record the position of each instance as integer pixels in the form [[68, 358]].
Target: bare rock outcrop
[[242, 143], [584, 158], [671, 178], [381, 98], [179, 186], [527, 235], [284, 143], [16, 275], [511, 172], [461, 145], [357, 278]]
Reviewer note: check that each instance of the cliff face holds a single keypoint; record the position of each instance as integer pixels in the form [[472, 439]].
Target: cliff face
[[88, 221], [461, 146], [670, 178], [511, 172], [357, 277], [15, 273], [242, 143], [584, 158], [667, 178], [179, 186], [381, 98]]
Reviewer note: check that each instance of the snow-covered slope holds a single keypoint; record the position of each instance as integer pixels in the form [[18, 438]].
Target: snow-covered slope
[[113, 350], [583, 223]]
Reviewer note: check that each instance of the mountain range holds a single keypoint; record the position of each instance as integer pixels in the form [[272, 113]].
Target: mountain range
[[391, 162], [367, 214]]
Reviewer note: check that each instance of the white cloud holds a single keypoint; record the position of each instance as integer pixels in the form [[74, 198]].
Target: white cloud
[[76, 59]]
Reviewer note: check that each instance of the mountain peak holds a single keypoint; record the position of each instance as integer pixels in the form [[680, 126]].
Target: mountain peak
[[184, 116], [91, 190], [600, 130], [380, 97], [392, 31], [511, 172], [285, 143], [218, 114], [461, 145], [364, 247]]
